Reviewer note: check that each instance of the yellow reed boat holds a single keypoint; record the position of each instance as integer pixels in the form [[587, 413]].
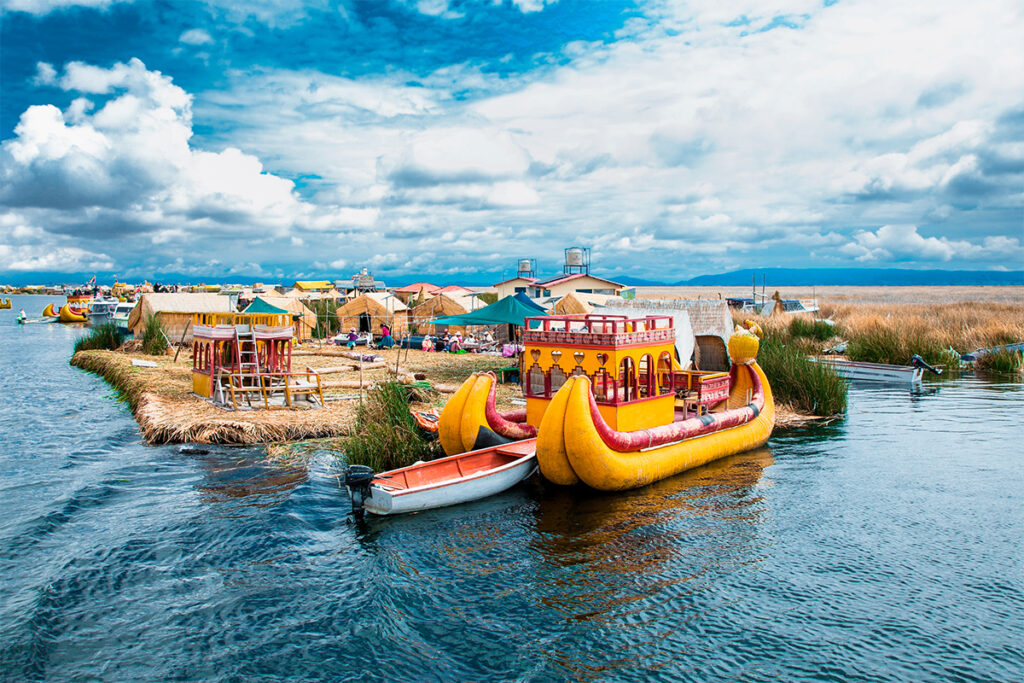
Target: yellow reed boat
[[612, 408], [72, 315]]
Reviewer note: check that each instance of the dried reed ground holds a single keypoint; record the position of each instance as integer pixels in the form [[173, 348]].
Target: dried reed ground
[[168, 412]]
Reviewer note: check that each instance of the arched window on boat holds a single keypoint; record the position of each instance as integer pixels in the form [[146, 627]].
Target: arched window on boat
[[666, 380], [536, 381], [648, 385], [627, 381], [557, 379], [603, 386]]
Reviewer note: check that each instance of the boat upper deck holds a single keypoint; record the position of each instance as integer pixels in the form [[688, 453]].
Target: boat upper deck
[[599, 330]]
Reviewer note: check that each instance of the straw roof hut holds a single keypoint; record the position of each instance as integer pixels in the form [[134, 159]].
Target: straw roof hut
[[307, 318], [437, 306], [367, 312], [175, 311], [711, 322], [572, 304]]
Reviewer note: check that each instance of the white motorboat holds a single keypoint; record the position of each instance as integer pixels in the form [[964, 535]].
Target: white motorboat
[[879, 372], [120, 315], [446, 481]]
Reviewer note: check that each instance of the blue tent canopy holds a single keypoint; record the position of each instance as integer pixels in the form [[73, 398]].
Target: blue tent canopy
[[512, 310]]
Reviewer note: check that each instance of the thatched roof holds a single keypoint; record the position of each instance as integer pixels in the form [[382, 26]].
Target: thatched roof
[[374, 303], [572, 304], [439, 305], [708, 317], [178, 304]]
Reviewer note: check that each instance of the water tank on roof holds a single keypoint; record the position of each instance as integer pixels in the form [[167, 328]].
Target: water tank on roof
[[574, 257], [525, 265]]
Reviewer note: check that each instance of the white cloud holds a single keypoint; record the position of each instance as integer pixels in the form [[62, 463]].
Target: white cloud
[[195, 36], [43, 258], [46, 6], [904, 243]]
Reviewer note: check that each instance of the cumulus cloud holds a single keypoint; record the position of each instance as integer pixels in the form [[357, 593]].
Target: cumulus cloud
[[904, 243], [123, 163]]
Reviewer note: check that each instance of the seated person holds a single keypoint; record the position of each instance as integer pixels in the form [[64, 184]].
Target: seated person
[[428, 343]]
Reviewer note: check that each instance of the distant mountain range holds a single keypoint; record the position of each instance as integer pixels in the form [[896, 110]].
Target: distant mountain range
[[822, 277]]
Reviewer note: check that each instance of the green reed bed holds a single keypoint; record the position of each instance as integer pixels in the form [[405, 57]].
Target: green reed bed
[[808, 328], [1002, 361], [154, 337], [326, 317], [107, 336], [888, 345], [386, 437], [796, 381]]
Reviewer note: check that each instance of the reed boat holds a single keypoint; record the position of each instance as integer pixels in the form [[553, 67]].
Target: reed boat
[[613, 408], [73, 315], [446, 481], [5, 303], [51, 312], [470, 420]]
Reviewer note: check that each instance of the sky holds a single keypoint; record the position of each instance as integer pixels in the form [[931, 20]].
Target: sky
[[288, 139]]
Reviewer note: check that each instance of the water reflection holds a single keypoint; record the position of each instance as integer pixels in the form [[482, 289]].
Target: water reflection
[[245, 477]]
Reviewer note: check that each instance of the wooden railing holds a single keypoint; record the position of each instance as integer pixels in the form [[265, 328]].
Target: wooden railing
[[252, 319]]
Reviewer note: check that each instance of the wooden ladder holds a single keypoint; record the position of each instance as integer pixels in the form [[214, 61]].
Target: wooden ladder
[[248, 380]]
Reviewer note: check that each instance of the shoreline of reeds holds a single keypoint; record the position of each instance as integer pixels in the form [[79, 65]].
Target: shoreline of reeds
[[176, 416]]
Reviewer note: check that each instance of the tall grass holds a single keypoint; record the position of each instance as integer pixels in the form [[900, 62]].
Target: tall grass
[[107, 336], [386, 437], [818, 330], [805, 386], [893, 333], [154, 337], [1001, 361], [326, 318]]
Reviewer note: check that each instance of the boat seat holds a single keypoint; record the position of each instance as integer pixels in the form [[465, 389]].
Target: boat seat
[[517, 449]]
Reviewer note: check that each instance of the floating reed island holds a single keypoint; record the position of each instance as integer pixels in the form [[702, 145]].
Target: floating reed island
[[167, 410]]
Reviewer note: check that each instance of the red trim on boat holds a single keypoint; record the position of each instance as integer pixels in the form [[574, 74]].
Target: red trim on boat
[[685, 429], [504, 426]]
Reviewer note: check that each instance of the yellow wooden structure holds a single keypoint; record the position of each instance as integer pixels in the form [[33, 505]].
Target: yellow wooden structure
[[630, 362], [242, 356]]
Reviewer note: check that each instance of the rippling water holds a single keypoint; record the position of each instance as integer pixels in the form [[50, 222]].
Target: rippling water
[[887, 547]]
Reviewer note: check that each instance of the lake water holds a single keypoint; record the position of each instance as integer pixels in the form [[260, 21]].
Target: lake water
[[886, 547]]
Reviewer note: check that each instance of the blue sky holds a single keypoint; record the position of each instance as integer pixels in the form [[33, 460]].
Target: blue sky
[[290, 139]]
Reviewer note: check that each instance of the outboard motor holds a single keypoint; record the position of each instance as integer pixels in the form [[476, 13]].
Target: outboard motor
[[357, 479], [918, 362]]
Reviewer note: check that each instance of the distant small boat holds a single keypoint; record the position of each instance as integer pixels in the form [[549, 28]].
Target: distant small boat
[[446, 481], [879, 372], [978, 353], [121, 314], [5, 303], [36, 321], [73, 315]]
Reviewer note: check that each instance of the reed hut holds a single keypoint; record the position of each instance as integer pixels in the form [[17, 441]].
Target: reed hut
[[306, 318], [368, 311], [437, 306], [175, 312], [572, 304]]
